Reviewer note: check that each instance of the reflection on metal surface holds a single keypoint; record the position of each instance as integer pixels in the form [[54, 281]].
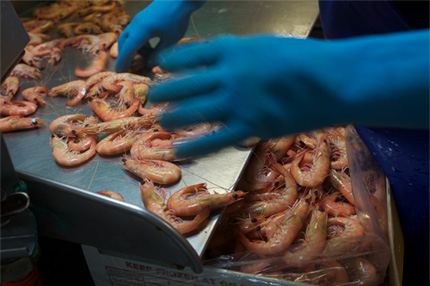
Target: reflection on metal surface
[[66, 205]]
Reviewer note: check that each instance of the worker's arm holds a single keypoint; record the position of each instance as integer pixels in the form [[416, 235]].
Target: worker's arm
[[166, 20], [270, 86]]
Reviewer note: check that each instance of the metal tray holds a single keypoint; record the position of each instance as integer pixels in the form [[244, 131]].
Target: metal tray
[[63, 199]]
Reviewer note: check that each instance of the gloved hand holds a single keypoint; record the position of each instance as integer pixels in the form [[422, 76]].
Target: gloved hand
[[167, 20], [269, 86]]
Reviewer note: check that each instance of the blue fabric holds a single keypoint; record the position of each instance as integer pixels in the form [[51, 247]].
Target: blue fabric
[[402, 154], [342, 19]]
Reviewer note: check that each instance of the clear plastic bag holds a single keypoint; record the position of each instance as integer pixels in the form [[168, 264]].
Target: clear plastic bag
[[359, 258]]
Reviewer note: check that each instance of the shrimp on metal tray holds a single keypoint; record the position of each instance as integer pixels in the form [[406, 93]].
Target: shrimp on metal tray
[[116, 125], [191, 200], [111, 194], [76, 88], [69, 125], [25, 71], [10, 85], [98, 64], [66, 157], [118, 142], [66, 29], [21, 108], [35, 94], [108, 113], [14, 123], [158, 171], [108, 83], [155, 145], [154, 203], [81, 144], [113, 52]]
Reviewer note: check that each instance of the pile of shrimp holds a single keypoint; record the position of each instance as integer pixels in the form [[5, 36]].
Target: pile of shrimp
[[146, 150], [298, 220], [15, 113], [92, 26], [95, 28]]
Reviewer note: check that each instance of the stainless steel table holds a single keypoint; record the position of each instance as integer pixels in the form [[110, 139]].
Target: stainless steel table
[[63, 199]]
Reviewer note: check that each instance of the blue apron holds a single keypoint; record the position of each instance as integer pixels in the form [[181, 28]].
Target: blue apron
[[402, 154]]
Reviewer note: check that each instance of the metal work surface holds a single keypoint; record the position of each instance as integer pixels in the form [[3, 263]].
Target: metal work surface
[[89, 217]]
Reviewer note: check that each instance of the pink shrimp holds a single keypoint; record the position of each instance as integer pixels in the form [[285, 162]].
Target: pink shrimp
[[25, 71], [191, 200], [81, 144], [361, 271], [141, 91], [342, 182], [155, 108], [14, 123], [21, 108], [161, 172], [334, 205], [127, 92], [343, 240], [48, 50], [30, 59], [66, 157], [154, 203], [107, 39], [108, 83], [249, 142], [317, 173], [75, 88], [35, 94], [113, 52], [87, 28], [111, 194], [338, 157], [42, 27], [98, 64], [329, 273], [277, 200], [11, 85], [154, 146], [68, 125], [285, 233], [279, 146], [66, 29], [194, 130], [314, 243], [258, 175], [116, 125], [97, 78], [118, 142], [37, 38], [108, 113]]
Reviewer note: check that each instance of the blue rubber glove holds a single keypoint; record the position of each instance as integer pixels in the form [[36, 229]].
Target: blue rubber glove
[[269, 86], [167, 20]]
